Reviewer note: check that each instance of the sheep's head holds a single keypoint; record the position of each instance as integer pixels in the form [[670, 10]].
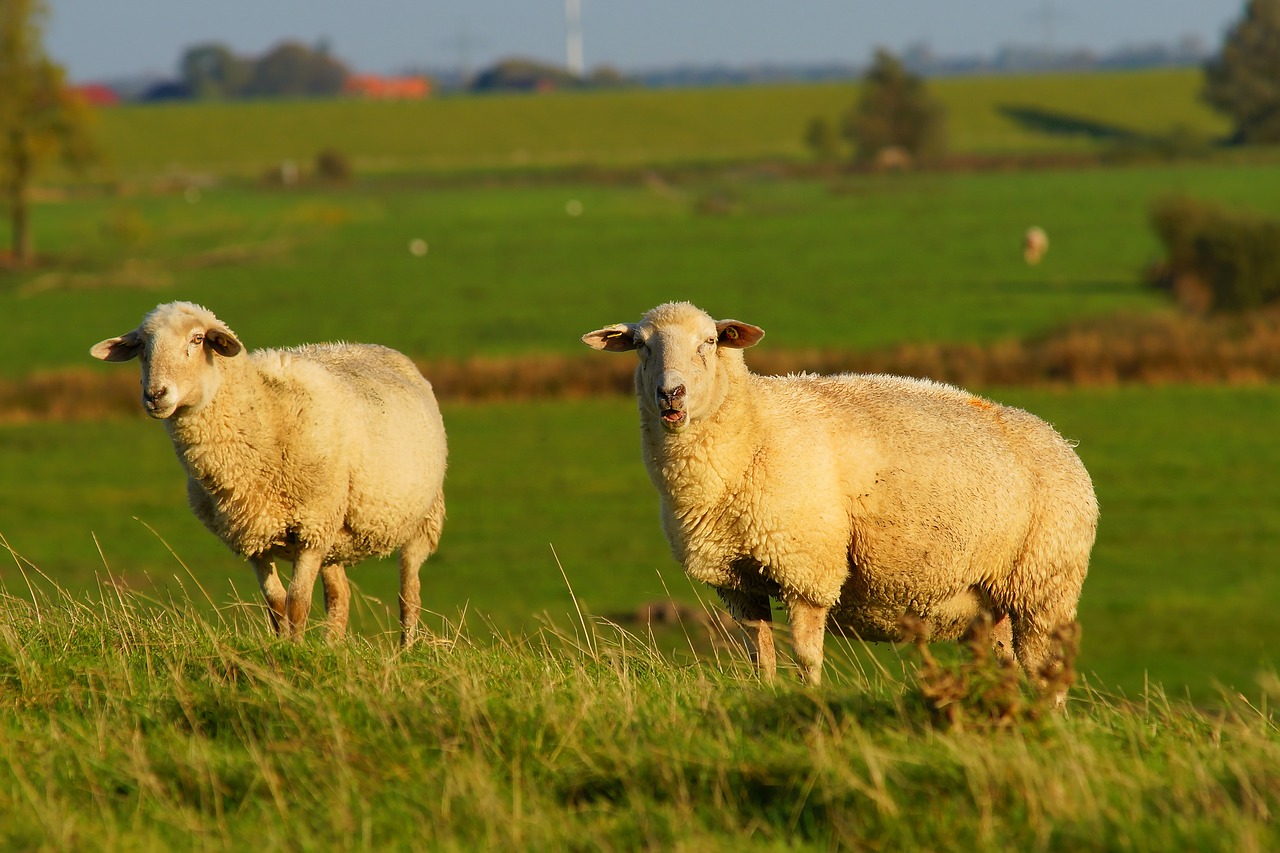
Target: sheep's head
[[178, 344], [685, 359]]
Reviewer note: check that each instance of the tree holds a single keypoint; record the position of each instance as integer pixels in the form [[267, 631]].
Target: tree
[[211, 70], [40, 118], [523, 75], [295, 70], [1243, 81], [895, 111]]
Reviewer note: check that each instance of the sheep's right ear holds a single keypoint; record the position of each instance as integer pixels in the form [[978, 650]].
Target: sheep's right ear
[[222, 341], [617, 338], [123, 348]]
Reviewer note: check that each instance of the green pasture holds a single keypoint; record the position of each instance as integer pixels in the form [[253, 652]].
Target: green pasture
[[857, 262], [1181, 590], [625, 128], [127, 728]]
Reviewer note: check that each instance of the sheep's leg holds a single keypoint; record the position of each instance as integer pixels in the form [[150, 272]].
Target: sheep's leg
[[808, 629], [410, 598], [272, 591], [758, 621], [754, 615], [412, 555], [1002, 639], [337, 600], [1038, 643], [298, 599]]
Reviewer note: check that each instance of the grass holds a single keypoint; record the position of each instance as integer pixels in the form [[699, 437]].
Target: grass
[[1178, 593], [865, 262], [123, 726], [625, 128]]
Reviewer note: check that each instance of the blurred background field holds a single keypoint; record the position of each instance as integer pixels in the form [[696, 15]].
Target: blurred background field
[[632, 128], [530, 231], [851, 261]]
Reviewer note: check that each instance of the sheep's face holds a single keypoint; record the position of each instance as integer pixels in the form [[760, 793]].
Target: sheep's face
[[682, 374], [178, 344]]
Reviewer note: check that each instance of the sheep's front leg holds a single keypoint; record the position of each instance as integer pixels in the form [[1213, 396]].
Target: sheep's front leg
[[272, 591], [337, 600], [298, 600], [808, 629], [755, 615]]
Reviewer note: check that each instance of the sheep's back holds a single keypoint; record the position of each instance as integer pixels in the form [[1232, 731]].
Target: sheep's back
[[372, 413], [936, 477]]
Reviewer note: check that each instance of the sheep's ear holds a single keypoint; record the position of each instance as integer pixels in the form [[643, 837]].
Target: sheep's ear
[[222, 341], [617, 338], [737, 335], [122, 348]]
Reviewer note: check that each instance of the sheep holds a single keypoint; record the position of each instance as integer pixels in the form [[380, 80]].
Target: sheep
[[322, 454], [856, 500], [1034, 244]]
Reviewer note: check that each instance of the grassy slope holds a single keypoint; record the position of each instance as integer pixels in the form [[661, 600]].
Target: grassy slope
[[126, 730], [622, 128], [1179, 590]]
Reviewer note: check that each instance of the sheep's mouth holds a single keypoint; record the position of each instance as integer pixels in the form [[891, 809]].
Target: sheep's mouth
[[159, 411], [673, 419]]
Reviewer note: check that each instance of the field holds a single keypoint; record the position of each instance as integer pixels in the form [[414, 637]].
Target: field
[[628, 128], [145, 706]]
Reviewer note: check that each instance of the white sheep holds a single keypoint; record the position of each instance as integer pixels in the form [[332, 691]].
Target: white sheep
[[855, 499], [1034, 244], [322, 454]]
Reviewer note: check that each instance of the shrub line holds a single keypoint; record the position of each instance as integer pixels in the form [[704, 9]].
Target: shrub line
[[1156, 349]]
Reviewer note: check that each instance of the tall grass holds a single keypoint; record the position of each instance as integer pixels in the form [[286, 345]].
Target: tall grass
[[129, 726]]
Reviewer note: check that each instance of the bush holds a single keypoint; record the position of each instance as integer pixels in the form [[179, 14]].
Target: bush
[[1216, 259], [332, 166]]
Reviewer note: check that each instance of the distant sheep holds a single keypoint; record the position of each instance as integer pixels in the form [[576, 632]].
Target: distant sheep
[[1034, 244], [855, 500], [323, 454]]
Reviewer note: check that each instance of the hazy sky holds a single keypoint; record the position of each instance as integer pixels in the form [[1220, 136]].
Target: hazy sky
[[98, 39]]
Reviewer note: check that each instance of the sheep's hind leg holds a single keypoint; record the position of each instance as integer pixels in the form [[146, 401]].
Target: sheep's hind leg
[[755, 615], [272, 591], [412, 555], [298, 599], [808, 630], [337, 600]]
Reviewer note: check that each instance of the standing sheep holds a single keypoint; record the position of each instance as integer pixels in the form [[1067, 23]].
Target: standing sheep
[[1034, 244], [323, 454], [854, 499]]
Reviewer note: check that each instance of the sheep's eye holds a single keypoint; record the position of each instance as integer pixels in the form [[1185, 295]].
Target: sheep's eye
[[197, 338], [710, 342]]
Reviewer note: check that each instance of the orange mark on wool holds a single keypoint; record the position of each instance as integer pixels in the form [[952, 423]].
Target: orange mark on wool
[[978, 403]]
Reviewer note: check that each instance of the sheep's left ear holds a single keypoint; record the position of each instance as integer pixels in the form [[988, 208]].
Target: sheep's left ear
[[738, 335], [221, 340]]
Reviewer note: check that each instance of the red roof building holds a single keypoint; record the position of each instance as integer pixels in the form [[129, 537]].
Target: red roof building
[[96, 94], [374, 87]]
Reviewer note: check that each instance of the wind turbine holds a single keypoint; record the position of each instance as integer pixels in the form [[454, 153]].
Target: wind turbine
[[573, 37]]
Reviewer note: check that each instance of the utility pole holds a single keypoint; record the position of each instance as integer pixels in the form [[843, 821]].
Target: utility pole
[[573, 37]]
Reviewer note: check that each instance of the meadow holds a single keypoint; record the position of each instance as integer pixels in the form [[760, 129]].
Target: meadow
[[144, 705], [626, 128], [848, 263]]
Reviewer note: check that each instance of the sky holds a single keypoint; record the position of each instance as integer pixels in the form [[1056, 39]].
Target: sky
[[108, 39]]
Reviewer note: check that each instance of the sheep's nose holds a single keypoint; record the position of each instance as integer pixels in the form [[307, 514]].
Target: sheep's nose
[[155, 395], [671, 398]]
